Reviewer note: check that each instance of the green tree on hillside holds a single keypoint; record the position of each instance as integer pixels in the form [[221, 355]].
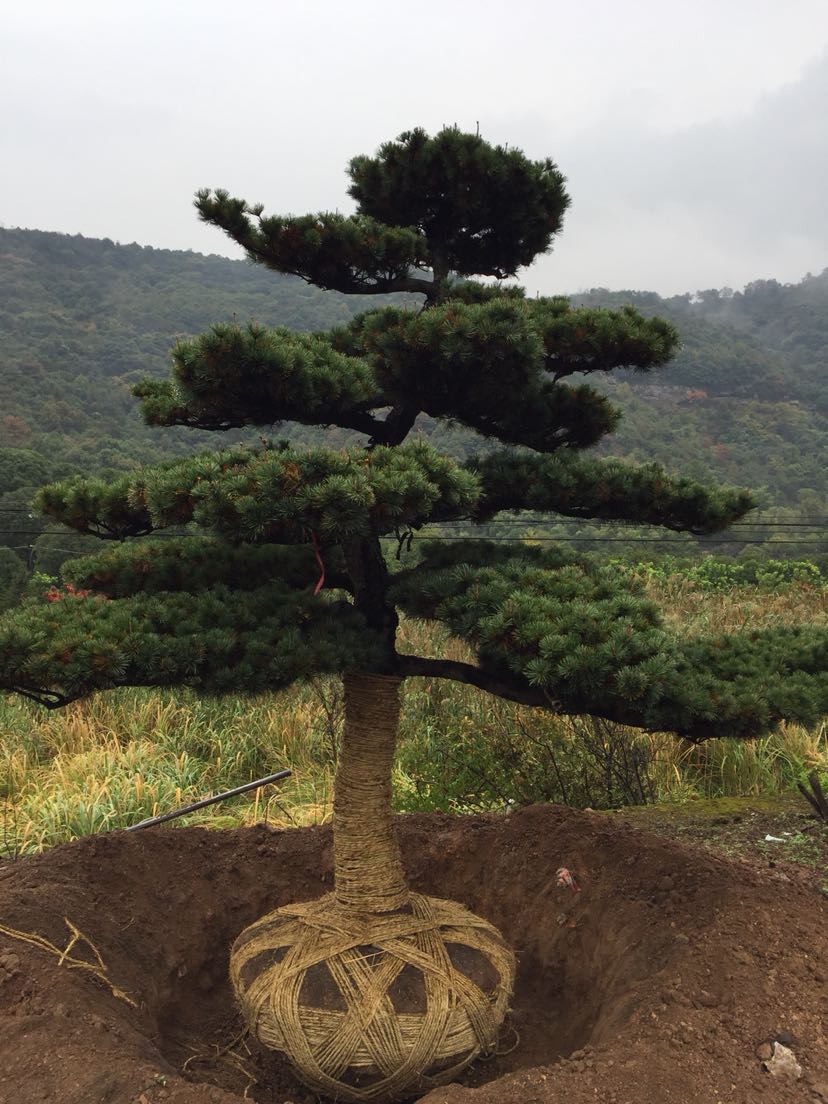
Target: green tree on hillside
[[282, 574]]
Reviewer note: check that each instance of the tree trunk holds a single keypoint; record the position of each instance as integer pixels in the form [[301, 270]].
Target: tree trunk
[[368, 873]]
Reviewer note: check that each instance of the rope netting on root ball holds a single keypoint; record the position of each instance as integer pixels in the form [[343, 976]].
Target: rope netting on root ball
[[372, 992], [371, 1007]]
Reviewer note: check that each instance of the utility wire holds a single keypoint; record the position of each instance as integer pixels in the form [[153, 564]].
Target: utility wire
[[805, 521], [689, 537], [630, 524], [162, 535], [616, 540], [758, 519], [69, 532]]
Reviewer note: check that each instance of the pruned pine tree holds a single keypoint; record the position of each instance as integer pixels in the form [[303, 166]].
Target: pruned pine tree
[[282, 574]]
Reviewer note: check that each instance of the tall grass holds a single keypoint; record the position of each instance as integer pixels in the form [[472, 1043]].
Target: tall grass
[[117, 758]]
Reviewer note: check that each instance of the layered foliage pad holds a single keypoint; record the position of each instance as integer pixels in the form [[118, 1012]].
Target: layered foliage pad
[[452, 203], [354, 255], [278, 495], [587, 638], [194, 564], [493, 365], [584, 486], [285, 495], [218, 640], [100, 507], [238, 376]]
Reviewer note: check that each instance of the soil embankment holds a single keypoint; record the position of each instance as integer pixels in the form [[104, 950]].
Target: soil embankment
[[659, 980]]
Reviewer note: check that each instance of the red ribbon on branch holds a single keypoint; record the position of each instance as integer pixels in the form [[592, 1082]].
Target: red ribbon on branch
[[318, 553]]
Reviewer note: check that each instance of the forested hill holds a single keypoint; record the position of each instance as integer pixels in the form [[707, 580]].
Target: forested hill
[[767, 342], [746, 399], [81, 319]]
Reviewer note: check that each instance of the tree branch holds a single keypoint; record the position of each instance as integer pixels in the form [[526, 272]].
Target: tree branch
[[468, 673], [358, 420], [107, 533], [49, 699], [816, 799], [396, 426], [348, 285]]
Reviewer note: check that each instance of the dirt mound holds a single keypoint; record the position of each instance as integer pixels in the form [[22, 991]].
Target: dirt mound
[[656, 981]]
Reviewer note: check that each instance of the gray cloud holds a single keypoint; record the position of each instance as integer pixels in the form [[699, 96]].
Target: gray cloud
[[718, 203], [694, 137]]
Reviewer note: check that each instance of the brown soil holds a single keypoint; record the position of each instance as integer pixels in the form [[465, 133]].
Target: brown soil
[[658, 981]]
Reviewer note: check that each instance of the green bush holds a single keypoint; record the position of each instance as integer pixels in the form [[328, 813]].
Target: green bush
[[723, 575]]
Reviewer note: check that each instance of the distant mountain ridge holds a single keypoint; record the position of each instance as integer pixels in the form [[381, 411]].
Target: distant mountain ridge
[[81, 319]]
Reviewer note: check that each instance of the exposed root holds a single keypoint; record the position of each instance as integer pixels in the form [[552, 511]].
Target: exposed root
[[227, 1055], [96, 969], [503, 1050], [500, 1049]]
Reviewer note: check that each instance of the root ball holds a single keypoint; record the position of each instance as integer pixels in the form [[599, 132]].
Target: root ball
[[370, 1006]]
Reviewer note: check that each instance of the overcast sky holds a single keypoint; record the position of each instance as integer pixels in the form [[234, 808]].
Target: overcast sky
[[694, 134]]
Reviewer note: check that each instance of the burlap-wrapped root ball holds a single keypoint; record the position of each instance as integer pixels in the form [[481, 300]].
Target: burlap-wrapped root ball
[[374, 1006]]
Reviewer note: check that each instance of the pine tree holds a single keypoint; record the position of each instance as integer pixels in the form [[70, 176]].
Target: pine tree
[[281, 573]]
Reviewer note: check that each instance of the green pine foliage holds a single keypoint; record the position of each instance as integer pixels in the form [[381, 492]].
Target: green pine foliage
[[493, 365], [274, 495], [195, 564], [331, 251], [219, 640], [263, 565], [234, 376], [573, 485], [593, 643], [433, 185]]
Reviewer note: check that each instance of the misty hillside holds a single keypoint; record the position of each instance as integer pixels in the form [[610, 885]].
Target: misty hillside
[[746, 399], [81, 319]]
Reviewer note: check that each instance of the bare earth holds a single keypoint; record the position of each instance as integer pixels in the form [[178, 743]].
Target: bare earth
[[659, 981]]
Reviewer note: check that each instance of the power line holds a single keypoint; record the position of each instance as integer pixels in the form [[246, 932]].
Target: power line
[[687, 540], [68, 532], [689, 537], [615, 540], [618, 524], [162, 535], [552, 517]]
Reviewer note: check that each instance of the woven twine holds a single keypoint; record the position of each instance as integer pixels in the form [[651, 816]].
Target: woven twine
[[365, 1039], [368, 873]]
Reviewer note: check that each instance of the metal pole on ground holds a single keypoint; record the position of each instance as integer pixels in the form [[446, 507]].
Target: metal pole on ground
[[150, 821]]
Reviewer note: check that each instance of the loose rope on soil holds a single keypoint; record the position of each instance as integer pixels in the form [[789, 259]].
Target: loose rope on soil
[[354, 1041], [98, 968], [367, 862]]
